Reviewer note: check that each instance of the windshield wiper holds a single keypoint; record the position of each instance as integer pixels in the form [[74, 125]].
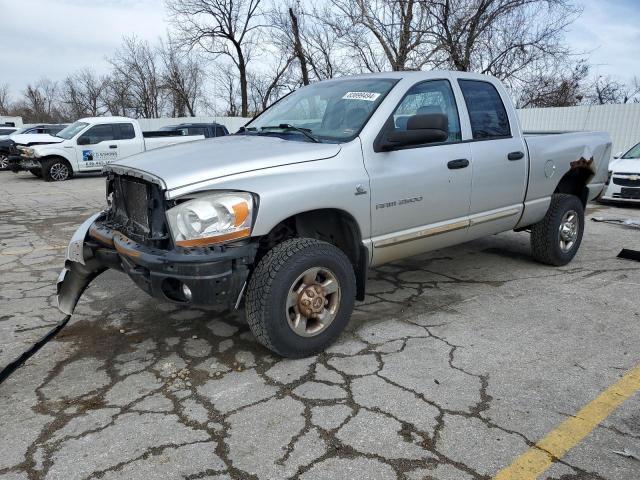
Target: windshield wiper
[[287, 126]]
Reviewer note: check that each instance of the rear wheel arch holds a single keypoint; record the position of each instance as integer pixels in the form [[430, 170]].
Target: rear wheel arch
[[575, 182]]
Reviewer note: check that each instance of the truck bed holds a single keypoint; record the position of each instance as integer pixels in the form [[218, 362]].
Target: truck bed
[[552, 153], [156, 142]]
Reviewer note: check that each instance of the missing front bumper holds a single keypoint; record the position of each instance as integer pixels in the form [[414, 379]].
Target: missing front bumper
[[212, 276]]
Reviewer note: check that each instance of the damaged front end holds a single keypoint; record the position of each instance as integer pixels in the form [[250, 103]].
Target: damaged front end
[[80, 268], [132, 236]]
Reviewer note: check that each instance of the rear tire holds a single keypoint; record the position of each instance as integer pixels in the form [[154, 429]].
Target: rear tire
[[56, 170], [556, 238], [300, 297]]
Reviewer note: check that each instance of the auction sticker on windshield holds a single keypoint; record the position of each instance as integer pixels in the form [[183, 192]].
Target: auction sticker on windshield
[[368, 96]]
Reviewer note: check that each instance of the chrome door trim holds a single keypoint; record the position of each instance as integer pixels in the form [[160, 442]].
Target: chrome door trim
[[494, 216], [422, 233]]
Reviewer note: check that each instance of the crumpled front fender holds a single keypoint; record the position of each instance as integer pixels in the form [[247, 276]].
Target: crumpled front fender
[[80, 268]]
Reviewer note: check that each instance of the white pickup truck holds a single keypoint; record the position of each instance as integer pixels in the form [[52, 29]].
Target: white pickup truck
[[85, 146]]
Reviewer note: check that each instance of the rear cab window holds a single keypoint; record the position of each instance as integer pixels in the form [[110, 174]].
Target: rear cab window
[[125, 131], [197, 131], [487, 113]]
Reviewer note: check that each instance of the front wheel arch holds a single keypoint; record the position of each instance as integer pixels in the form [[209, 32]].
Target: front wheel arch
[[335, 226], [47, 163]]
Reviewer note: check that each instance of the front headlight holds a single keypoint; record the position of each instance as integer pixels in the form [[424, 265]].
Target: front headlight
[[211, 219], [27, 152]]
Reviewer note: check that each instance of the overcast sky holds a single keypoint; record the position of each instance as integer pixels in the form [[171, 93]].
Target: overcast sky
[[55, 37]]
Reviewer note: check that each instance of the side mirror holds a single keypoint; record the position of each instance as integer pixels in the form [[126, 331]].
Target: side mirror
[[421, 129], [82, 140], [618, 155]]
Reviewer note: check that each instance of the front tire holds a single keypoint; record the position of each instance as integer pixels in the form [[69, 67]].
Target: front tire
[[36, 172], [56, 170], [4, 162], [556, 238], [300, 297]]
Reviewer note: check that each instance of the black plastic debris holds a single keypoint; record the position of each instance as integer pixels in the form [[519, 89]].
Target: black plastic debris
[[629, 254]]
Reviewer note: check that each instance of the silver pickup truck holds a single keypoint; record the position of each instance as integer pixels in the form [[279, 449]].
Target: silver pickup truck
[[288, 214]]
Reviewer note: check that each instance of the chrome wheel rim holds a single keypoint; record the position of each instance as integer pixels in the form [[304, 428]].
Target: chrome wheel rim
[[4, 163], [569, 227], [313, 301], [59, 171]]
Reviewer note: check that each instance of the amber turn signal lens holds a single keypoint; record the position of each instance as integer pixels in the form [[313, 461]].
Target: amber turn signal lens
[[241, 211], [201, 242]]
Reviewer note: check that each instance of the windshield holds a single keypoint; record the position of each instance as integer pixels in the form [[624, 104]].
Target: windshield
[[633, 153], [334, 111], [72, 130]]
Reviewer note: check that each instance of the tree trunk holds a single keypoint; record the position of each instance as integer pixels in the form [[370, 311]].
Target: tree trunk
[[297, 47], [242, 70]]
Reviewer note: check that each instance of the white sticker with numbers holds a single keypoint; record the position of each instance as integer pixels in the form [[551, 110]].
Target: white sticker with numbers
[[368, 96]]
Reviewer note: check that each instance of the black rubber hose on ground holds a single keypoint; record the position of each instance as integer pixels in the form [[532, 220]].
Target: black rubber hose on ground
[[13, 366]]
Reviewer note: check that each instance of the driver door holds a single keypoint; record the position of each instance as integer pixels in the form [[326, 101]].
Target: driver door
[[101, 147], [420, 194]]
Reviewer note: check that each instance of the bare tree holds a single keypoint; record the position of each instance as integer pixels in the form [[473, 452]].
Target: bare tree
[[220, 27], [306, 36], [266, 87], [182, 78], [286, 38], [83, 94], [226, 88], [385, 34], [505, 38], [5, 99], [555, 88], [135, 64], [39, 102], [297, 46], [117, 97], [606, 90]]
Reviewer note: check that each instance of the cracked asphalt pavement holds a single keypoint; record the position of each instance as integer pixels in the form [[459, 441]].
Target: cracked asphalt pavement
[[457, 362]]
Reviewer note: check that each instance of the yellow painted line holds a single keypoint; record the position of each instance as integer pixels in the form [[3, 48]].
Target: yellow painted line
[[535, 461]]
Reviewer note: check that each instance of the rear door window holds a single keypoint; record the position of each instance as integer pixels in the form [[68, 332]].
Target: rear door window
[[487, 112]]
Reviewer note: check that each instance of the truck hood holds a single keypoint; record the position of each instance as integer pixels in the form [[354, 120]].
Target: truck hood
[[186, 164], [33, 138], [625, 165]]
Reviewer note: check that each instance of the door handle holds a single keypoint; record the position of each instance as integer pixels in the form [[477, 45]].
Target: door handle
[[515, 156], [113, 146], [460, 163]]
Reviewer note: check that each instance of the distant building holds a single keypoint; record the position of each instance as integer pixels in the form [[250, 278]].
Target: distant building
[[13, 121]]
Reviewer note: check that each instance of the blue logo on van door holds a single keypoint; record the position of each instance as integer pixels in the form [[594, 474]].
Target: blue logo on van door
[[87, 155]]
